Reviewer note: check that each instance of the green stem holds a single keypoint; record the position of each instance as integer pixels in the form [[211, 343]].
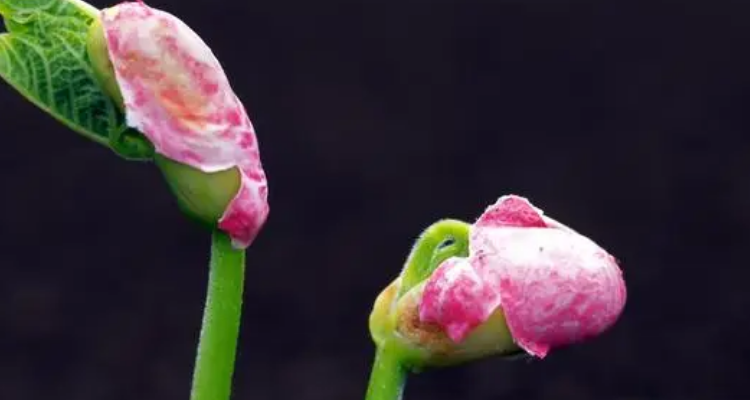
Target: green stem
[[214, 365], [388, 377]]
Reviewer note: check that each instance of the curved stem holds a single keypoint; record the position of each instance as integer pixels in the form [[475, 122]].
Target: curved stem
[[214, 365], [440, 241], [388, 377]]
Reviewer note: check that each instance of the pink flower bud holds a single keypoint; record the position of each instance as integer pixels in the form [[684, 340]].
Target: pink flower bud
[[554, 286], [176, 93]]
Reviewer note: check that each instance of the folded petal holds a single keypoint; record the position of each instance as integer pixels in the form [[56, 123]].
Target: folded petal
[[177, 94], [457, 299], [508, 211], [556, 288], [511, 210]]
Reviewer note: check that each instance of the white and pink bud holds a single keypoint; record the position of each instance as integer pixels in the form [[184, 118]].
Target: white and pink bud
[[527, 284], [554, 286]]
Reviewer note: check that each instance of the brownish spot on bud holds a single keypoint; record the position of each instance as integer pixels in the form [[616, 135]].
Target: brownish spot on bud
[[426, 335]]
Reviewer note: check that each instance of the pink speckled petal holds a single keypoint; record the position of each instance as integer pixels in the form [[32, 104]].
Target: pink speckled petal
[[511, 210], [177, 94], [556, 288], [508, 211], [456, 299]]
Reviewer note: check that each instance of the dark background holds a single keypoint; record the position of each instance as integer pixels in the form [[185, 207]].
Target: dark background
[[625, 119]]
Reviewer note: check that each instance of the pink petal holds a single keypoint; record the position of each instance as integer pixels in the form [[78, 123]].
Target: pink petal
[[511, 210], [455, 296], [556, 288], [456, 299], [508, 211], [177, 94]]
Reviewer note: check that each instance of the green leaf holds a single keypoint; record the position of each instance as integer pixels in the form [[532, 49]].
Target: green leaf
[[43, 56]]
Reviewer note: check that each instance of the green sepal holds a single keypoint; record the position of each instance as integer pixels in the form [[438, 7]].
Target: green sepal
[[44, 57], [202, 196]]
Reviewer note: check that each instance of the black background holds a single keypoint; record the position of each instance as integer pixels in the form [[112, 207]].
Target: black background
[[625, 119]]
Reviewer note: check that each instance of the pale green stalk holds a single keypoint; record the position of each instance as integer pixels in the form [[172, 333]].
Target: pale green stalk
[[214, 365]]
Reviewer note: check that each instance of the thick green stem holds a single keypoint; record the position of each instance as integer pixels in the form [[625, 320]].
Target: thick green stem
[[388, 377], [214, 365]]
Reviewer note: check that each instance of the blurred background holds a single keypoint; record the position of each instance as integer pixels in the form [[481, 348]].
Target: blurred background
[[624, 119]]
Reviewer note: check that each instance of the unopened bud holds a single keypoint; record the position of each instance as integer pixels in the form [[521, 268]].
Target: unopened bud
[[525, 284], [174, 91]]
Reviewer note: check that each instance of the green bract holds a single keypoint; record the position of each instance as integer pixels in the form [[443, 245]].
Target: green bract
[[44, 57]]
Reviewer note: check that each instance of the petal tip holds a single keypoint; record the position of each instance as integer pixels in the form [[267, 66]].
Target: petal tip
[[246, 214], [511, 210]]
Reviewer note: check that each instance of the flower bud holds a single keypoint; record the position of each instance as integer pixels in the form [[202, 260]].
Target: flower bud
[[555, 286], [174, 90], [528, 283]]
